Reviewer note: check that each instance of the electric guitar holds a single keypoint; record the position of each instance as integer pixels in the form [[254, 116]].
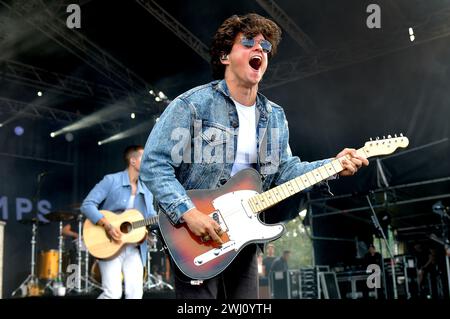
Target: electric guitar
[[235, 207], [131, 224]]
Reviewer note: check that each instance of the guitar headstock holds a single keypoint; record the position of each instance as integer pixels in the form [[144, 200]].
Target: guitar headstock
[[385, 146]]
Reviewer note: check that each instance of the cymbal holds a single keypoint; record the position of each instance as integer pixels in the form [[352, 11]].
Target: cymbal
[[30, 221], [75, 206], [59, 216]]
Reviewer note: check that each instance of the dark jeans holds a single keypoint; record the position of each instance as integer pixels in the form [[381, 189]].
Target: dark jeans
[[238, 281]]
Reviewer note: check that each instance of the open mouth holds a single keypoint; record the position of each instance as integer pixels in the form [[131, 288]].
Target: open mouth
[[255, 62]]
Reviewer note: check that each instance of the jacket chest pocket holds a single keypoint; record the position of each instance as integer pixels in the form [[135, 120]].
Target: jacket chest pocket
[[217, 144], [210, 155]]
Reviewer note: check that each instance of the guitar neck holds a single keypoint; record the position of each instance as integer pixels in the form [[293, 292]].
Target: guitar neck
[[145, 222], [270, 198]]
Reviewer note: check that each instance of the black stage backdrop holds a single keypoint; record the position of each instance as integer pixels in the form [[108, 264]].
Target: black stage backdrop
[[30, 187]]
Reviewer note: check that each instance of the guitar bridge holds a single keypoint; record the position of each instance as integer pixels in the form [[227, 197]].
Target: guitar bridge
[[214, 253]]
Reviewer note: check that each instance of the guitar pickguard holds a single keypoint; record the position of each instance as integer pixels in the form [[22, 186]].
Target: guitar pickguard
[[242, 225]]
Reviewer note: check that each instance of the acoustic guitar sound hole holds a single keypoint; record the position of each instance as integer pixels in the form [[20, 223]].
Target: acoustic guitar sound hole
[[125, 228]]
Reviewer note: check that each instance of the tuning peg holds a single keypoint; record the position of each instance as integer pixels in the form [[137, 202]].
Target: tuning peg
[[401, 134], [384, 137], [378, 138], [389, 136], [395, 135], [371, 139]]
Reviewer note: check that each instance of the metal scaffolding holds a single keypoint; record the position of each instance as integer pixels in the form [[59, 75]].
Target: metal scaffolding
[[289, 25], [29, 75], [316, 61], [324, 204], [436, 26], [202, 50], [176, 27], [19, 109], [76, 43]]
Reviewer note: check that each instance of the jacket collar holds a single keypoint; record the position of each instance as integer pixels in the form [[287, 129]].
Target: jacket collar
[[262, 103]]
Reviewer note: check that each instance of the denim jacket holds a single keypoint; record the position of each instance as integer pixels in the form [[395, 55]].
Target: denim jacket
[[193, 145], [113, 193]]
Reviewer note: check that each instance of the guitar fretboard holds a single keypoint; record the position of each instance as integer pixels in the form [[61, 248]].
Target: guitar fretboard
[[263, 201], [145, 222]]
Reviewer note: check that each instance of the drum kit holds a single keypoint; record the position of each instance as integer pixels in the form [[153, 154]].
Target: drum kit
[[50, 274], [50, 262], [153, 279]]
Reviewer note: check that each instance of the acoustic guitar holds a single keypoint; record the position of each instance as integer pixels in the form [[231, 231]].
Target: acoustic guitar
[[131, 224]]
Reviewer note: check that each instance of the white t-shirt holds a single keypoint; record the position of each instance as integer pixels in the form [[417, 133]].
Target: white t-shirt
[[246, 153], [130, 204]]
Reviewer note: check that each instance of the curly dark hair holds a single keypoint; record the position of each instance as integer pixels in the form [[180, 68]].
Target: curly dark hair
[[250, 25]]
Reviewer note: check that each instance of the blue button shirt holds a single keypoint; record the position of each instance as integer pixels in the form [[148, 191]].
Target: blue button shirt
[[113, 193]]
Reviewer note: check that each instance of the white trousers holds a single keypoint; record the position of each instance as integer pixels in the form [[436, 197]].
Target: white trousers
[[128, 263]]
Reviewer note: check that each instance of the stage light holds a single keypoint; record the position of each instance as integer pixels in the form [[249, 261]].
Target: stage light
[[69, 137], [411, 34], [102, 116], [132, 115], [18, 130], [52, 134], [1, 124], [157, 99], [151, 92], [137, 129], [39, 93], [157, 119], [162, 95]]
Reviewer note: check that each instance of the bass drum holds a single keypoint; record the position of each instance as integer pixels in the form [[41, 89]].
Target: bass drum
[[96, 275]]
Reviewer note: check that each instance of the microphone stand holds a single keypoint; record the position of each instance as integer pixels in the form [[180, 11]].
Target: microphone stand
[[31, 283], [446, 244], [377, 225]]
